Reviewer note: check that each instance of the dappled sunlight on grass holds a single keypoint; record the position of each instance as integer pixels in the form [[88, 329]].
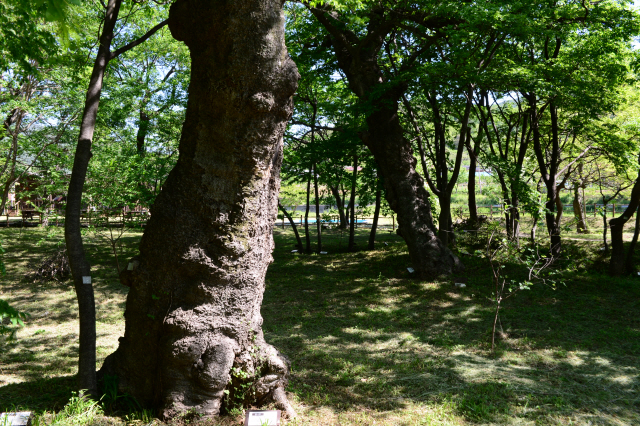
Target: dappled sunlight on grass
[[367, 337], [47, 347], [370, 344]]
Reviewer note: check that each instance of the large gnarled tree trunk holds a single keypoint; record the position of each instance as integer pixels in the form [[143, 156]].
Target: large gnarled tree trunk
[[193, 311]]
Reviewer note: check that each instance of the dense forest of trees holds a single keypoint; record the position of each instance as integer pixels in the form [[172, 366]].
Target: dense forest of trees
[[183, 108]]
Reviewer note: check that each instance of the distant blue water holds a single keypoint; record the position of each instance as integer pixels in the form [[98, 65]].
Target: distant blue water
[[297, 221]]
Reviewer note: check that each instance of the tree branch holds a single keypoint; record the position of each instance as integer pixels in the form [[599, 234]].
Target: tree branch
[[134, 43]]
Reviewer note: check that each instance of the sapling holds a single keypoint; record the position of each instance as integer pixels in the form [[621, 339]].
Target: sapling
[[501, 250], [114, 238]]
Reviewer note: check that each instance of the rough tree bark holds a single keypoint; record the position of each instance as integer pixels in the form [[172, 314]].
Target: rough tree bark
[[193, 311]]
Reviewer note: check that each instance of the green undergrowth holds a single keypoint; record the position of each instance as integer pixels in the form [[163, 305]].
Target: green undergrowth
[[370, 344]]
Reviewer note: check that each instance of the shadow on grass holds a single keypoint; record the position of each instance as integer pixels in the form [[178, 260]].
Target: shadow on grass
[[363, 335], [44, 394]]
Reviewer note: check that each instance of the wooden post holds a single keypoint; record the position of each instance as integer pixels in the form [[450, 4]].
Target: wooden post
[[614, 209], [491, 209], [393, 223], [283, 222]]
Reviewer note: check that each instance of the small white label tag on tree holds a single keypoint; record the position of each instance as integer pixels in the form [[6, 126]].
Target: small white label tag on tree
[[86, 280], [262, 418], [411, 270], [130, 266]]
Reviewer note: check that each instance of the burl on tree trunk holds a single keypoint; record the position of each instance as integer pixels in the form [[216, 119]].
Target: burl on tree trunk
[[193, 327]]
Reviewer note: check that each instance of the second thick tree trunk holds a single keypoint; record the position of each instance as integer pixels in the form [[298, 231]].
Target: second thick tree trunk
[[193, 337], [406, 194]]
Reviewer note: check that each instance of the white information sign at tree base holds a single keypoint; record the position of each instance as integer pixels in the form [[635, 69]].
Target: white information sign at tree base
[[22, 418], [262, 418]]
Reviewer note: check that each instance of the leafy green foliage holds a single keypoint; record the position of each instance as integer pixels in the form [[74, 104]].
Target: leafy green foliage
[[14, 317], [8, 313]]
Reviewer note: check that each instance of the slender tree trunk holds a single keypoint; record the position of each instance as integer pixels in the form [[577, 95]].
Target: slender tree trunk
[[605, 227], [306, 215], [630, 267], [444, 220], [548, 170], [471, 188], [352, 203], [80, 268], [347, 206], [578, 210], [193, 324], [617, 262], [508, 211], [376, 215], [299, 245], [340, 204], [16, 117], [533, 229], [318, 222], [143, 129], [560, 208]]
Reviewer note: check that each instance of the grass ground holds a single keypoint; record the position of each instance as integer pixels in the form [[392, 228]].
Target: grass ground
[[369, 344]]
